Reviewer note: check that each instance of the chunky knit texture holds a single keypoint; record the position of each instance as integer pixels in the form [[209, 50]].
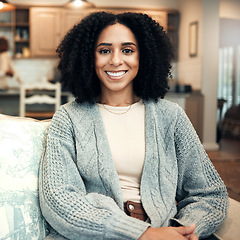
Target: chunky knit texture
[[80, 194]]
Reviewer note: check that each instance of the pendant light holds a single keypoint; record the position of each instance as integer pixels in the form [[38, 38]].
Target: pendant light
[[75, 4], [6, 7]]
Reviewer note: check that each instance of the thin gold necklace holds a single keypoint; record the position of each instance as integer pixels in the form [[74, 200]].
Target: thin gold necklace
[[121, 113]]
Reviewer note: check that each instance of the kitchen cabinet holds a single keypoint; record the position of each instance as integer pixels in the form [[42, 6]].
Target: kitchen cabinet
[[7, 27], [41, 29], [46, 30], [72, 17], [21, 33], [194, 109], [168, 19], [158, 15], [193, 105], [48, 27], [173, 20], [15, 27], [9, 102]]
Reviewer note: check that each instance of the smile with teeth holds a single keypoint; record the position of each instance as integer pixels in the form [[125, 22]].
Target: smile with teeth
[[116, 74]]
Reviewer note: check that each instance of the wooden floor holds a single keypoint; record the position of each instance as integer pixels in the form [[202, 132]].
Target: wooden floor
[[227, 162]]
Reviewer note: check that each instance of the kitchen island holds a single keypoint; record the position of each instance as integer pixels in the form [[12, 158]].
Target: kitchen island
[[192, 103], [10, 99]]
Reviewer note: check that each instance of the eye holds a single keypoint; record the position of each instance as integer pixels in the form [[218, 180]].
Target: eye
[[127, 50], [104, 51]]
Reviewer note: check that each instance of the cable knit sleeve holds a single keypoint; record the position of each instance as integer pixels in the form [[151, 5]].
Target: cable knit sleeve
[[201, 194], [64, 201]]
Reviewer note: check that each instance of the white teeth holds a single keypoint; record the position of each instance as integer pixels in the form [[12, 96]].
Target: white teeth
[[116, 74]]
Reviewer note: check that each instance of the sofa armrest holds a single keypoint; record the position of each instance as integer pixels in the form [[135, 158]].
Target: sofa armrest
[[21, 144], [230, 229]]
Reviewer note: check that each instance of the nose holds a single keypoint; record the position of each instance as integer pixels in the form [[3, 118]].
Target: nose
[[116, 58]]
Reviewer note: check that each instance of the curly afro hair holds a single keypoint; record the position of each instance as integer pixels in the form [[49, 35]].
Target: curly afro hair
[[77, 61]]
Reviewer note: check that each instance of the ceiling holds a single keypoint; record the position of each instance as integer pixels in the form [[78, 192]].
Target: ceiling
[[39, 2]]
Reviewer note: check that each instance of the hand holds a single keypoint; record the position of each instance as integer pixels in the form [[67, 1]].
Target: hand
[[9, 73], [170, 233], [19, 80], [192, 236]]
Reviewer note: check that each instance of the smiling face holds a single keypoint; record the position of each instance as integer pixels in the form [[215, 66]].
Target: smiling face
[[116, 60]]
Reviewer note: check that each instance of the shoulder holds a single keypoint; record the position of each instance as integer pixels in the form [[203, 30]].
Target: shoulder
[[73, 113], [76, 109], [67, 117], [164, 108], [6, 55]]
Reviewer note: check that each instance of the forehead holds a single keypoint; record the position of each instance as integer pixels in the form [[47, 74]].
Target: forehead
[[116, 33]]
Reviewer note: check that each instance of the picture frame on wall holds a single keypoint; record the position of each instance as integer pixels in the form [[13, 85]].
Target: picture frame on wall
[[193, 39]]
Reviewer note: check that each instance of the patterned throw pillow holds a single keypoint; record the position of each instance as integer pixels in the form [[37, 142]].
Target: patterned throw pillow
[[21, 145]]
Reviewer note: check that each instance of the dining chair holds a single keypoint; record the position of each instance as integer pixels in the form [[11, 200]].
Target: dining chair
[[44, 97]]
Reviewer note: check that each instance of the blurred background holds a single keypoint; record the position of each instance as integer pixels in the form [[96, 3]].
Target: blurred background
[[206, 69]]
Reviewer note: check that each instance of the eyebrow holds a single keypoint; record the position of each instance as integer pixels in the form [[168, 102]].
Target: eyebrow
[[123, 44]]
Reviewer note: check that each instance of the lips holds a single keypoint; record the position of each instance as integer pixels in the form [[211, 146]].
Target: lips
[[117, 74]]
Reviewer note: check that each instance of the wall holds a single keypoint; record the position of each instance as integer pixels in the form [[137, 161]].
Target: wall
[[201, 71], [210, 51], [229, 77], [190, 68], [230, 9]]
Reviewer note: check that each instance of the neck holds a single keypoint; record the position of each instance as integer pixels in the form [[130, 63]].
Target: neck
[[118, 100]]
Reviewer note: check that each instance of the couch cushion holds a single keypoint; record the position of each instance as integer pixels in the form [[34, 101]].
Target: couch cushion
[[21, 145], [230, 229]]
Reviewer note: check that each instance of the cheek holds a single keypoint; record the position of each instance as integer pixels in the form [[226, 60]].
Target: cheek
[[100, 61], [134, 62], [98, 66], [96, 61], [135, 59]]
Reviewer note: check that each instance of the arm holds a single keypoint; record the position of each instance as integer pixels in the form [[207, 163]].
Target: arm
[[7, 67], [12, 72], [66, 205], [170, 233], [2, 70], [201, 195]]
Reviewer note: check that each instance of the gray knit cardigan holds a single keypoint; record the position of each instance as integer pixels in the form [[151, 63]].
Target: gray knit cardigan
[[80, 194]]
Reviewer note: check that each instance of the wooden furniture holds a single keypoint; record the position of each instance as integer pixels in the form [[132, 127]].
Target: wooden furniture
[[31, 94], [16, 28], [193, 104], [9, 101], [46, 30], [194, 109], [37, 31], [49, 25]]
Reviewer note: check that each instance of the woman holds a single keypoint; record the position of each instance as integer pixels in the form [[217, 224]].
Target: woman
[[119, 158], [7, 68]]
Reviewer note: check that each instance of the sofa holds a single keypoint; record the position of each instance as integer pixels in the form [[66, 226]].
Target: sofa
[[21, 144]]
